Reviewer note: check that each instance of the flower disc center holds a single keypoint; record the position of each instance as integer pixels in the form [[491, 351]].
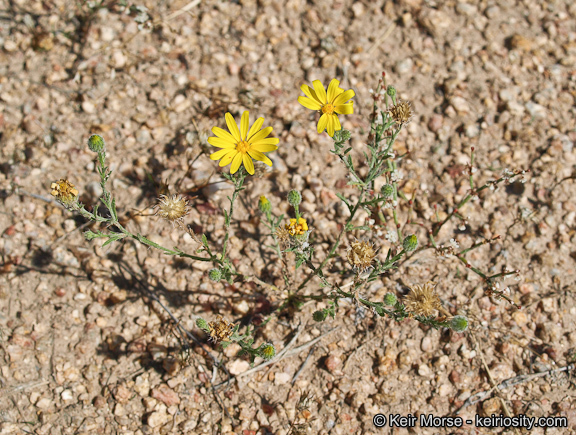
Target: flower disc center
[[328, 108], [242, 147]]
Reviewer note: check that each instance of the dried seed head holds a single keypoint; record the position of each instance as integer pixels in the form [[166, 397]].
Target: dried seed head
[[220, 330], [172, 208], [422, 300], [65, 194], [360, 255], [401, 112], [283, 236]]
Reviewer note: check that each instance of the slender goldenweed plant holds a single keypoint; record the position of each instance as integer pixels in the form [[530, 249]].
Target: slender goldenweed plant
[[293, 239]]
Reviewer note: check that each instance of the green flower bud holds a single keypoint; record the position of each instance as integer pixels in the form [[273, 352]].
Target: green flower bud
[[459, 323], [294, 198], [391, 91], [264, 205], [344, 135], [96, 143], [319, 316], [387, 191], [215, 275], [410, 243], [267, 351], [390, 299], [202, 324]]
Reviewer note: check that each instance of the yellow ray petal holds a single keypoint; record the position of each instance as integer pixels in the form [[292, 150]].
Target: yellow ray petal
[[236, 163], [343, 97], [310, 93], [330, 125], [244, 123], [223, 134], [227, 159], [255, 127], [270, 142], [233, 127], [261, 134], [337, 125], [322, 123], [320, 91], [248, 164], [344, 109], [221, 143], [333, 90], [257, 155], [263, 148], [309, 104], [219, 154]]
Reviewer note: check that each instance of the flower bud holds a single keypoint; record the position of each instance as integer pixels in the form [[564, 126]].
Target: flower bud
[[96, 143], [215, 275], [344, 135], [390, 299], [294, 198], [267, 351], [264, 205], [387, 191], [410, 243], [391, 91], [202, 324], [319, 316], [459, 323]]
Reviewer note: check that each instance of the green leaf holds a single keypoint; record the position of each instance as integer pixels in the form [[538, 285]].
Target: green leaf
[[300, 261], [344, 200]]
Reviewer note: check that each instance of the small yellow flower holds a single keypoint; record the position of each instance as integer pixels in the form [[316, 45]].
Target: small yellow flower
[[422, 300], [297, 228], [330, 104], [241, 146], [65, 193]]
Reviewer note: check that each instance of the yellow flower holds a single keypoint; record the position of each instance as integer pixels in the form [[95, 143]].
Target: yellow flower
[[241, 146], [65, 193], [330, 104], [297, 228]]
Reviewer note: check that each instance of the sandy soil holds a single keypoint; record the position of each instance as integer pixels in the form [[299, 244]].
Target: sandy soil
[[85, 347]]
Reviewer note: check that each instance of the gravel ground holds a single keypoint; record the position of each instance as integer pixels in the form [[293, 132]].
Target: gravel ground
[[85, 347]]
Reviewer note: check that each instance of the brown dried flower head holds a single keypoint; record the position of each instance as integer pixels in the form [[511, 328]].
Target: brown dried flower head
[[220, 329], [401, 112], [283, 236], [172, 208], [65, 193], [422, 300], [360, 255]]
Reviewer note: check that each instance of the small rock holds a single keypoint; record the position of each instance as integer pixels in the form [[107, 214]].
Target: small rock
[[536, 110], [426, 344], [520, 42], [435, 123], [238, 366], [333, 363], [445, 390], [460, 105], [424, 370], [122, 394], [241, 307], [166, 395], [94, 189], [88, 107], [157, 418], [282, 378], [491, 406]]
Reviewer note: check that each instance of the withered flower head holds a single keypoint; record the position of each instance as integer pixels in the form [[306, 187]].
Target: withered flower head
[[65, 193], [422, 300], [283, 236], [220, 330], [360, 255], [172, 208], [401, 112]]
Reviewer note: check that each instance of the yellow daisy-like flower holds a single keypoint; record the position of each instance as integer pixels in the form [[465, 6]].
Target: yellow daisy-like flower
[[241, 146], [330, 103]]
